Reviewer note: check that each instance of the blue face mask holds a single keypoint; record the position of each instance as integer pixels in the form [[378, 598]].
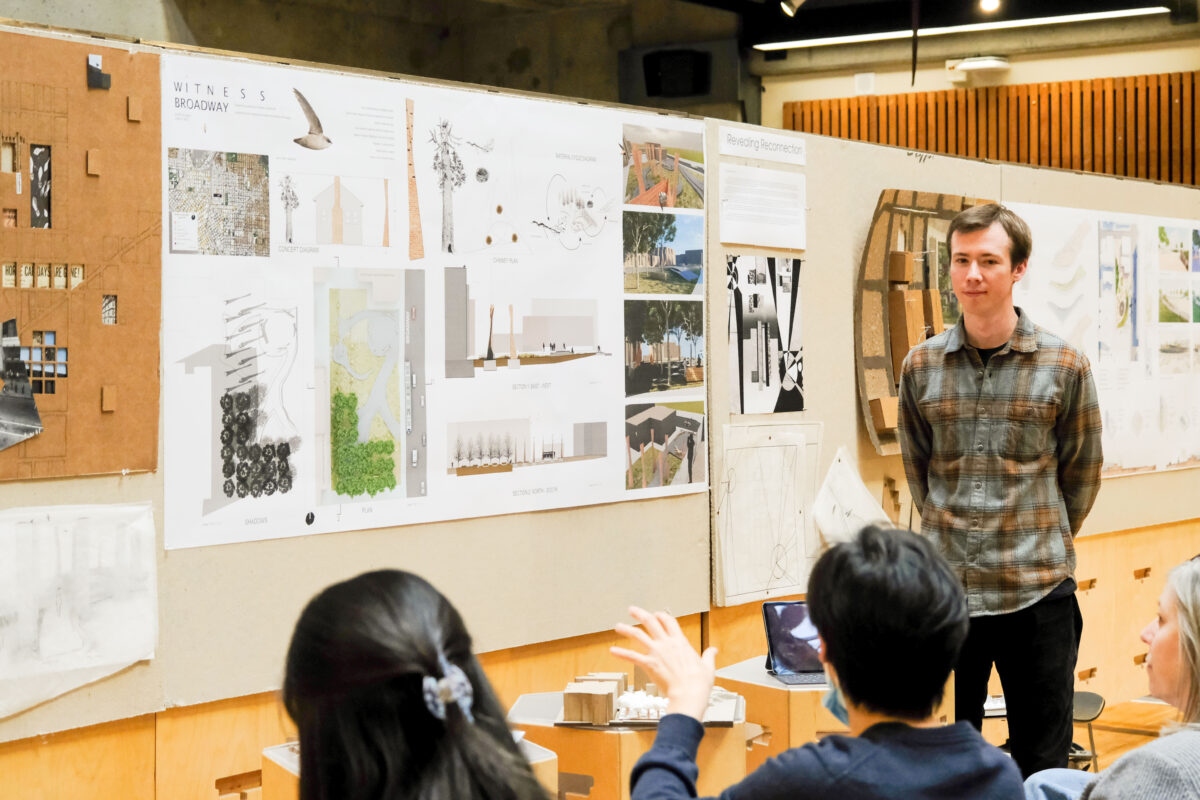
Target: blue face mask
[[833, 702]]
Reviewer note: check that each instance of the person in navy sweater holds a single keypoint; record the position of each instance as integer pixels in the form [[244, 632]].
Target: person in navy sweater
[[892, 617]]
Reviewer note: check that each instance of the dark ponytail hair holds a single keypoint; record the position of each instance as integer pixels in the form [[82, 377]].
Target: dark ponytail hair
[[353, 685]]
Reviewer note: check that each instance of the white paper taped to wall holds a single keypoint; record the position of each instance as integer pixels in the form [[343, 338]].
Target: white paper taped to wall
[[78, 598], [844, 506], [765, 541]]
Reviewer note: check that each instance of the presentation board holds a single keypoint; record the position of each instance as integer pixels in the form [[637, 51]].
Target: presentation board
[[388, 303], [1125, 289]]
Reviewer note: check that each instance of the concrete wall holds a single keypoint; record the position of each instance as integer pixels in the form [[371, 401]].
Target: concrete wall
[[570, 51]]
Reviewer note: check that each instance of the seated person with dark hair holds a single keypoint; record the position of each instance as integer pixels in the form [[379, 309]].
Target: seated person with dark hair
[[892, 617]]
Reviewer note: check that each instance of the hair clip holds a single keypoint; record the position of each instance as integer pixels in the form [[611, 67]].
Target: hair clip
[[453, 687]]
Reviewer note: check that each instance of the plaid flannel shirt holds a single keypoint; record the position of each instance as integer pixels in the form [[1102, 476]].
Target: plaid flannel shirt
[[1003, 461]]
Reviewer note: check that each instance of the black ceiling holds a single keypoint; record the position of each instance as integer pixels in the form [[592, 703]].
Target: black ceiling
[[763, 21]]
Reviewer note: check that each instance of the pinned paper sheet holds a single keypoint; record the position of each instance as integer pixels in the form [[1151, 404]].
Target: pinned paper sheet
[[762, 207], [79, 593], [765, 543], [844, 506]]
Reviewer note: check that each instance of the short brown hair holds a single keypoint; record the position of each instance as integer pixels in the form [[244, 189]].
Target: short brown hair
[[977, 218]]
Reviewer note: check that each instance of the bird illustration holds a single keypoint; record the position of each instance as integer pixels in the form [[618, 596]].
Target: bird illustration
[[315, 139]]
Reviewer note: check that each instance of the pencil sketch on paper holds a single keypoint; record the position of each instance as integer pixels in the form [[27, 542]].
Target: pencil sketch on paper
[[451, 173], [78, 598], [765, 544], [575, 214], [844, 506]]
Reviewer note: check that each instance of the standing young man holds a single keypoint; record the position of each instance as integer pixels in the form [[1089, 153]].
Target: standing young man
[[1000, 432]]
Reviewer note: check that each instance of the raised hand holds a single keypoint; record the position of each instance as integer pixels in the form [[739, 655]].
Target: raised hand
[[685, 675]]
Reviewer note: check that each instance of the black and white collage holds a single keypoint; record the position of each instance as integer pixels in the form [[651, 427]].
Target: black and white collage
[[662, 221], [766, 354]]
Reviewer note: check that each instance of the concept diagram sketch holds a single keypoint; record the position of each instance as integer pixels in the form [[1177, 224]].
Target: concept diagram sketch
[[19, 419], [324, 209], [574, 214], [315, 139]]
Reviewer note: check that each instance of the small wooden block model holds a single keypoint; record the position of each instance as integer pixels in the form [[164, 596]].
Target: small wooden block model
[[933, 311], [593, 702], [906, 318], [900, 266], [620, 678], [885, 413]]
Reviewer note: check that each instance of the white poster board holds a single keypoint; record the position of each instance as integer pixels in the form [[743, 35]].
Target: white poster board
[[386, 303]]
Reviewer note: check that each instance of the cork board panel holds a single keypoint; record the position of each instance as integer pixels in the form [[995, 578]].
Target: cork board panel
[[872, 325], [92, 242]]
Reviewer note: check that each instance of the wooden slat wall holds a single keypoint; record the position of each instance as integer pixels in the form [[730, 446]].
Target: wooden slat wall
[[1144, 126]]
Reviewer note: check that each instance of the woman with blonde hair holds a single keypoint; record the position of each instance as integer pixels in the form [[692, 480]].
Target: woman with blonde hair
[[1168, 767]]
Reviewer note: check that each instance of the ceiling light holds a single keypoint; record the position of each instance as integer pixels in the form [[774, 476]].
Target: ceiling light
[[971, 28], [989, 5], [980, 64], [790, 6]]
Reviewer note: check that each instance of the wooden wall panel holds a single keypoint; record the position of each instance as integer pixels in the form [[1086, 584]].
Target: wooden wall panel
[[1172, 136], [1185, 138], [1080, 96], [1056, 128], [114, 761], [196, 745], [976, 122], [1195, 137], [1141, 126], [737, 631], [549, 666]]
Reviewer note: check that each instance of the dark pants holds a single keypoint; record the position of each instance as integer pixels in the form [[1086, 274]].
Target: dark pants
[[1034, 651]]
